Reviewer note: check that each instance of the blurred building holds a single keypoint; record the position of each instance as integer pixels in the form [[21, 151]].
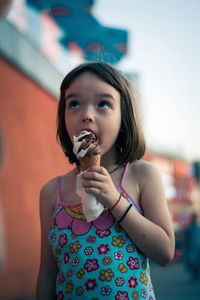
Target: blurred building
[[179, 183], [40, 41]]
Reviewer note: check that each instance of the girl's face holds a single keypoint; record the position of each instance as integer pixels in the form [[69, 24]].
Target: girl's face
[[93, 104]]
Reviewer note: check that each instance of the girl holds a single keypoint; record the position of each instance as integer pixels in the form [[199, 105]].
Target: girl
[[109, 256]]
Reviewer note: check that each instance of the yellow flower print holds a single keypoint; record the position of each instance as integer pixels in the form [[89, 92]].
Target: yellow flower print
[[58, 262], [69, 273], [80, 273], [118, 228], [143, 278], [118, 241], [74, 247], [69, 287], [57, 250], [57, 283], [144, 265], [106, 275], [107, 260], [135, 295], [122, 268], [73, 236]]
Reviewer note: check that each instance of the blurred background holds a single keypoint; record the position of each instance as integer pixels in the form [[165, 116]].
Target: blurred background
[[157, 45]]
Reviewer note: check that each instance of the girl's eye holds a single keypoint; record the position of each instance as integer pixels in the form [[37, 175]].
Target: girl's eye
[[104, 104], [74, 104]]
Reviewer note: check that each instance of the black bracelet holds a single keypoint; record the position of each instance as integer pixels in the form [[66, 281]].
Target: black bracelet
[[125, 213]]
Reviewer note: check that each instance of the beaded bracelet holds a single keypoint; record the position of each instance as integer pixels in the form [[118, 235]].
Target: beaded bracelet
[[116, 202], [125, 213]]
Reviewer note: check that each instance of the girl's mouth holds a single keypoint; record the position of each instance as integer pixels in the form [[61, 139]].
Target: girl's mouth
[[90, 130]]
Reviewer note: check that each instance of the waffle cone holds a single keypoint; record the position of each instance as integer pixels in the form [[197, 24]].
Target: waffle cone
[[89, 161]]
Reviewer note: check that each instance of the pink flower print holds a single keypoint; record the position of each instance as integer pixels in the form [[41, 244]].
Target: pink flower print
[[91, 284], [88, 250], [102, 233], [75, 261], [62, 240], [150, 286], [130, 248], [122, 296], [91, 239], [61, 277], [119, 281], [132, 282], [119, 255], [66, 258], [133, 263], [103, 249], [79, 291], [105, 291], [60, 295], [53, 237], [144, 293], [77, 224], [91, 265]]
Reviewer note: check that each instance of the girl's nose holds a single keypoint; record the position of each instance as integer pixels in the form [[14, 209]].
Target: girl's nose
[[87, 115], [86, 119]]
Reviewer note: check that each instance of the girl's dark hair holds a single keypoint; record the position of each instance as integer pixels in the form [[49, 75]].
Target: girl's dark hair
[[130, 143]]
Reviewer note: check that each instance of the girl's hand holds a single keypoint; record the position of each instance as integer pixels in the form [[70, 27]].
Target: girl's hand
[[97, 181]]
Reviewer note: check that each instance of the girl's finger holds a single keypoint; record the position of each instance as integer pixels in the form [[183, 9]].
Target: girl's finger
[[92, 183], [92, 190], [98, 169], [89, 175]]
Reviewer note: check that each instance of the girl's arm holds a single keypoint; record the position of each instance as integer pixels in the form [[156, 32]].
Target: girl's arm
[[152, 232], [48, 268]]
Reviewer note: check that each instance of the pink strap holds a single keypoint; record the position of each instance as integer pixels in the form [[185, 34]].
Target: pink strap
[[58, 190], [123, 176]]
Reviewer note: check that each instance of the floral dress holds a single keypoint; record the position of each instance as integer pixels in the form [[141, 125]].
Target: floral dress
[[96, 259]]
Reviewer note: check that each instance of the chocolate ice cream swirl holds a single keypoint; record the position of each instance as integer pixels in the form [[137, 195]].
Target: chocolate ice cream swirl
[[85, 144]]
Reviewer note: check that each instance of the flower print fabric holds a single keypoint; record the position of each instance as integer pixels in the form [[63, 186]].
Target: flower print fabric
[[96, 259]]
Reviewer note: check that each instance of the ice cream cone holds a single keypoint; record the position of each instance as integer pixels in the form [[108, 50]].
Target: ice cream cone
[[89, 161]]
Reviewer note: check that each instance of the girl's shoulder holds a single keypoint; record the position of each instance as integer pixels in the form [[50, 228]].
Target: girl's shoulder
[[146, 173], [48, 195], [142, 168], [48, 188], [49, 191]]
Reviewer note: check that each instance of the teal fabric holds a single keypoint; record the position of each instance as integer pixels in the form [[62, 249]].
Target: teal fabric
[[96, 259]]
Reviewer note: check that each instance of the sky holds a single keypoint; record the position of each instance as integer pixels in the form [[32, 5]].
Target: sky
[[164, 49]]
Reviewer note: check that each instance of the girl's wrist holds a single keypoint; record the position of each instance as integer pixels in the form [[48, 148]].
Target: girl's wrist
[[119, 209], [116, 202], [125, 213]]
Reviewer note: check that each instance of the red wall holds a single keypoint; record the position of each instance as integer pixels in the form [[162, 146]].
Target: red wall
[[31, 157]]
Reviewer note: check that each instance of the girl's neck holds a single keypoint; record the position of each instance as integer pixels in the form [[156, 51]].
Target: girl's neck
[[109, 163]]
